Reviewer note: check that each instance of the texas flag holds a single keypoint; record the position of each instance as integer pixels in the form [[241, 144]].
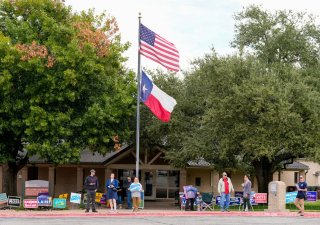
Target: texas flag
[[158, 101]]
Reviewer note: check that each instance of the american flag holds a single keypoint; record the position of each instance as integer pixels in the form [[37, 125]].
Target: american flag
[[158, 49]]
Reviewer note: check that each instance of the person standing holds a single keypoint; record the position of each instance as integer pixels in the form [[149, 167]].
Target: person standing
[[191, 194], [246, 193], [225, 187], [126, 186], [120, 195], [136, 189], [91, 183], [112, 186], [301, 195]]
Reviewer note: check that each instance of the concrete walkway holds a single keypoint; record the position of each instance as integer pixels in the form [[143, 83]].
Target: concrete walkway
[[144, 213]]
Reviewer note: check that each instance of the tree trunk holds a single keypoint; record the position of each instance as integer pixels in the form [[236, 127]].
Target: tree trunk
[[9, 179], [264, 174]]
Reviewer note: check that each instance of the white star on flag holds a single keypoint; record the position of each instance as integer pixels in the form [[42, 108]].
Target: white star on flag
[[144, 89]]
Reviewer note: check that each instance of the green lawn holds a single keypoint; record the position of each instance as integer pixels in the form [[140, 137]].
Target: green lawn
[[309, 206], [312, 206]]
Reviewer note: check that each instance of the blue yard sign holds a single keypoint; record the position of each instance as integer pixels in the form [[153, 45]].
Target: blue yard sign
[[59, 203], [291, 196]]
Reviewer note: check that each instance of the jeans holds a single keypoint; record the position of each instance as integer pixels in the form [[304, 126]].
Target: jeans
[[189, 204], [246, 201], [129, 203], [91, 198], [224, 197], [119, 201]]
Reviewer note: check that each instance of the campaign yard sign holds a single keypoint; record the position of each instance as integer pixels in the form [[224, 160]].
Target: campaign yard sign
[[44, 200], [312, 196], [30, 203], [291, 196], [98, 197], [233, 200], [3, 198], [59, 203], [261, 198], [14, 201], [75, 198]]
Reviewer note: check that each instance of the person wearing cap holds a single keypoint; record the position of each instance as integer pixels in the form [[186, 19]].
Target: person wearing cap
[[301, 195], [126, 186], [91, 183], [225, 187]]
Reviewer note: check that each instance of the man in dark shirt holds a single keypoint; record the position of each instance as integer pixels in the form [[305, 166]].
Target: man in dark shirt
[[301, 195], [91, 183], [126, 185]]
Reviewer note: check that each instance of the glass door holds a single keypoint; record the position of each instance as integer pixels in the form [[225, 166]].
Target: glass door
[[148, 184]]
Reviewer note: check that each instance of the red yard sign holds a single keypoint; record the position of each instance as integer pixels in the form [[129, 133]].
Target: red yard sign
[[261, 197], [30, 203]]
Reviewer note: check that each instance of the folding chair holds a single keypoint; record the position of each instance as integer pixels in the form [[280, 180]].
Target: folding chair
[[207, 202]]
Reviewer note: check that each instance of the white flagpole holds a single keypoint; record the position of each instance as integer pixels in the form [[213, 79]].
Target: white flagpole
[[138, 104]]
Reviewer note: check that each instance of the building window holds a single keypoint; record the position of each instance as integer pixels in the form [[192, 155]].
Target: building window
[[296, 177], [167, 183], [198, 181]]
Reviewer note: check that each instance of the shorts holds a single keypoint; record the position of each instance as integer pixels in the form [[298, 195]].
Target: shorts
[[301, 195]]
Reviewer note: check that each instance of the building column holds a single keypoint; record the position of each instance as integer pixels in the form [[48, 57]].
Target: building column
[[1, 178], [21, 178], [107, 173], [80, 179], [51, 180], [183, 179], [215, 181]]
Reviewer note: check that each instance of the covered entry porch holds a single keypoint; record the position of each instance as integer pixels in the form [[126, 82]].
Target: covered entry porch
[[158, 178]]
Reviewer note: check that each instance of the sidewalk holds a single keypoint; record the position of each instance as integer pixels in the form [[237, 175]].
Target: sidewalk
[[143, 213]]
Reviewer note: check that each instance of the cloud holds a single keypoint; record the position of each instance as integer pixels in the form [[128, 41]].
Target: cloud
[[193, 26]]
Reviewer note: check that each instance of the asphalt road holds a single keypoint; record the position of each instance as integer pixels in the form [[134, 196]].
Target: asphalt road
[[171, 220]]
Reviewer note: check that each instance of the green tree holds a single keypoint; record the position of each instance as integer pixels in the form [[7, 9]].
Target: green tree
[[248, 117], [257, 110], [254, 111], [63, 87], [284, 37]]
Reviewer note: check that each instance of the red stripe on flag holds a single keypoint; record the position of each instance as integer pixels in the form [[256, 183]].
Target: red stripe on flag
[[154, 58], [157, 109], [158, 53]]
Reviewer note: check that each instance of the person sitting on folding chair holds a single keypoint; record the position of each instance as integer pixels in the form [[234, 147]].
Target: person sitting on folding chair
[[191, 193]]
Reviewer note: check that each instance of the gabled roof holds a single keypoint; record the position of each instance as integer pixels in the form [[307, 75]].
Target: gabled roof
[[87, 156], [198, 163], [297, 166]]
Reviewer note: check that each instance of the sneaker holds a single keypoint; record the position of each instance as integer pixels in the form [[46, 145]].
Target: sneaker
[[301, 214], [94, 211], [86, 211], [227, 210]]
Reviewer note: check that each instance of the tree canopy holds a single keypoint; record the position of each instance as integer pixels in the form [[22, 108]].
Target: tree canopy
[[63, 86], [255, 110]]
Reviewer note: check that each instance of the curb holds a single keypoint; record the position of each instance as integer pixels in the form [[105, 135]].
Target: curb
[[152, 214]]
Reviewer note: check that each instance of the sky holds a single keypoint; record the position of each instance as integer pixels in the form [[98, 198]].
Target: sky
[[194, 26]]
